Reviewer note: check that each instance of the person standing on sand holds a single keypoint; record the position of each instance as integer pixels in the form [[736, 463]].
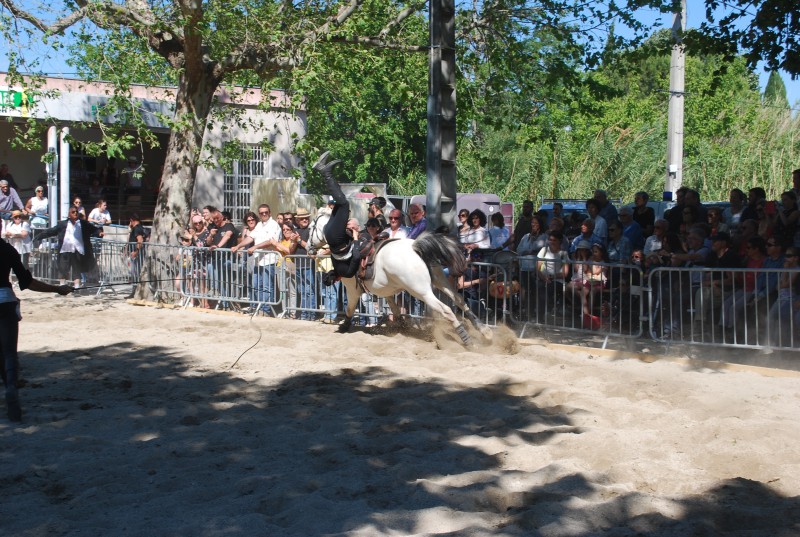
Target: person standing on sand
[[10, 317]]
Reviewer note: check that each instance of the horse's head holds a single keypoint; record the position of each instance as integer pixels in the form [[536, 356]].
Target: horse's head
[[316, 234]]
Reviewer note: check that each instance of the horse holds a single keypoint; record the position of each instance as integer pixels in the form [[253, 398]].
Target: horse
[[408, 265]]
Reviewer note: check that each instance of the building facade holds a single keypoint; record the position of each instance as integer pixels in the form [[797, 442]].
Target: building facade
[[263, 129]]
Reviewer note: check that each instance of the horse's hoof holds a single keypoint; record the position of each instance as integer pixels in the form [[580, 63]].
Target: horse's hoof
[[345, 326]]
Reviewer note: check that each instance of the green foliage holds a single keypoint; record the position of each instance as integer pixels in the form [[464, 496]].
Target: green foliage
[[775, 91], [614, 136]]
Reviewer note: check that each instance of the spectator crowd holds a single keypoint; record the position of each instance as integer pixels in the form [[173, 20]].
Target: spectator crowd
[[586, 265]]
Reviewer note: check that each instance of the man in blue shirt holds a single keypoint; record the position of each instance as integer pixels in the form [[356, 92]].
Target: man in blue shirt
[[631, 228], [418, 221]]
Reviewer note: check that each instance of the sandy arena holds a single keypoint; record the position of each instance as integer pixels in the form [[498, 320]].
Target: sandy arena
[[135, 424]]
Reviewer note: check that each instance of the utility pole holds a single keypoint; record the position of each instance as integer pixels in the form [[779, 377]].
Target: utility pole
[[676, 103], [441, 148]]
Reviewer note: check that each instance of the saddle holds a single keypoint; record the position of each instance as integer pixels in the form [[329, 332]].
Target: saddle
[[369, 249]]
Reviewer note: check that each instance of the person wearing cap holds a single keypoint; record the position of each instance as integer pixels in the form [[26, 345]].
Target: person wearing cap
[[9, 200], [9, 320], [18, 234], [38, 207], [717, 285], [375, 210], [304, 267]]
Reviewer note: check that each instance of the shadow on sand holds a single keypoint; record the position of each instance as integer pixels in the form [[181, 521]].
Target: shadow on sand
[[122, 441]]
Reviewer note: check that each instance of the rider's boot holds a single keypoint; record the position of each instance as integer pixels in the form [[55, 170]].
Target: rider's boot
[[325, 169]]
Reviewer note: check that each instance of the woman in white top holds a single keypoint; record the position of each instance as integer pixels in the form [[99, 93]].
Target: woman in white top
[[463, 225], [100, 216], [477, 236], [18, 234], [38, 207]]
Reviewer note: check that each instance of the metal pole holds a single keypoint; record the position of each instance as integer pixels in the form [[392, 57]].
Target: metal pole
[[441, 148], [676, 103], [52, 175], [63, 160]]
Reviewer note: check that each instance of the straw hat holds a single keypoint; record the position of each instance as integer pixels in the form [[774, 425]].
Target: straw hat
[[302, 212]]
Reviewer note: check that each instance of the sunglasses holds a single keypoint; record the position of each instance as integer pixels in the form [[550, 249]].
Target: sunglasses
[[394, 218], [263, 212]]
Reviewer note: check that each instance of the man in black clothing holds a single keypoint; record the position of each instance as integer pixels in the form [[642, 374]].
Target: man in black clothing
[[345, 256], [10, 317], [75, 253]]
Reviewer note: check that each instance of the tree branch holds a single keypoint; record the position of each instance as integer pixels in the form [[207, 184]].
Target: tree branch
[[345, 12], [403, 15], [377, 42], [55, 28]]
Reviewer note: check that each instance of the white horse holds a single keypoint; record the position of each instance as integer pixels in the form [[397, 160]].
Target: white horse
[[408, 265]]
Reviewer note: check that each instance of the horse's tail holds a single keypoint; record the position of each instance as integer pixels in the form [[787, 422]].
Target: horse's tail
[[435, 248]]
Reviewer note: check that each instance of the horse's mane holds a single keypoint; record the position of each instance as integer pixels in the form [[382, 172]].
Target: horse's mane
[[441, 249]]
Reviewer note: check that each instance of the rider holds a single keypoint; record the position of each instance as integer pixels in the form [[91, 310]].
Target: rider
[[345, 250]]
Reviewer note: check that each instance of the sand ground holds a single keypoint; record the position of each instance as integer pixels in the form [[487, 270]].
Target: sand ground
[[136, 422]]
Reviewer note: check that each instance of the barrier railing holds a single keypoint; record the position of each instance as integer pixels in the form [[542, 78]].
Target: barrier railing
[[732, 307], [598, 298], [755, 308]]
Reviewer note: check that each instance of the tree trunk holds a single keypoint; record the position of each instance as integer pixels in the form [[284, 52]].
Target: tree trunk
[[192, 107]]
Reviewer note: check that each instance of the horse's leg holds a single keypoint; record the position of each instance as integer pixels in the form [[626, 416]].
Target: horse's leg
[[351, 289], [440, 281], [394, 308], [437, 306]]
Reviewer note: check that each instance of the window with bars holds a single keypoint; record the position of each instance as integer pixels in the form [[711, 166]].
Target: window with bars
[[236, 188]]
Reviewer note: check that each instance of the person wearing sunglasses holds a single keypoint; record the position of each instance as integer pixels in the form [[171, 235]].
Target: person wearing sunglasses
[[18, 233], [76, 254], [396, 229]]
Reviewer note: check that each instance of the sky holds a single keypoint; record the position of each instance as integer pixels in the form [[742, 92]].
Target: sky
[[695, 15], [56, 65]]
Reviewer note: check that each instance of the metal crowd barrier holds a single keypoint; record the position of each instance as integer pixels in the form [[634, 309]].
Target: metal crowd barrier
[[701, 306], [671, 305], [610, 305]]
